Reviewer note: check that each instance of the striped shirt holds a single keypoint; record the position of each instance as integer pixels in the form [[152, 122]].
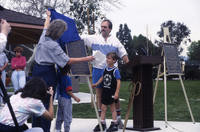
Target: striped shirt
[[100, 48]]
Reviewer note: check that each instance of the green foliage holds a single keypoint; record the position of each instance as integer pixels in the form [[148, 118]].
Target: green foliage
[[141, 42], [178, 33], [124, 36], [194, 51], [85, 13]]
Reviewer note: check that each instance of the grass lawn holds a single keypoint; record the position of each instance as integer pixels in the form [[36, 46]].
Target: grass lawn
[[177, 107]]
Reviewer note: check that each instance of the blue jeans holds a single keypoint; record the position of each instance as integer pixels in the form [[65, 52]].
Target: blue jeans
[[18, 79], [64, 114], [48, 74]]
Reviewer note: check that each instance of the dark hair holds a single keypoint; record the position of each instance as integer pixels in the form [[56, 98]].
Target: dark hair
[[65, 70], [56, 29], [109, 23], [18, 49], [34, 88], [113, 55]]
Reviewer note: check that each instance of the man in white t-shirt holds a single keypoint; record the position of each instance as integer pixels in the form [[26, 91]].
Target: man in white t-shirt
[[101, 44]]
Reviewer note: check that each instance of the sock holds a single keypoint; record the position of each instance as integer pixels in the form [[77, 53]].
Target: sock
[[115, 121], [103, 121], [99, 111], [118, 113]]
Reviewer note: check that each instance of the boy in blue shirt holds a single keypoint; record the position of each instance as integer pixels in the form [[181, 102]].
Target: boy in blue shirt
[[64, 101], [110, 82]]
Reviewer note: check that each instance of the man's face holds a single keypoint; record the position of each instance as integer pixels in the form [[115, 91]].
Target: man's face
[[105, 30]]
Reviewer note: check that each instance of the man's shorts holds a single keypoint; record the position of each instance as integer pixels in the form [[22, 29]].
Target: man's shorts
[[96, 75]]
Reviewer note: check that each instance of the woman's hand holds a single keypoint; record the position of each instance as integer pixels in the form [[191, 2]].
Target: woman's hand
[[48, 13], [50, 91], [90, 58]]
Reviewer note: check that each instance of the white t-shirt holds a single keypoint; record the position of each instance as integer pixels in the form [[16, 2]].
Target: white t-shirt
[[101, 48], [23, 109]]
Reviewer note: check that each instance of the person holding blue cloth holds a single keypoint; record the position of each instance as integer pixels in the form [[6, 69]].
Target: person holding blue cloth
[[48, 54]]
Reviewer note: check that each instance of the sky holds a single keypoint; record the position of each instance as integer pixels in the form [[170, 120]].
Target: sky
[[147, 15]]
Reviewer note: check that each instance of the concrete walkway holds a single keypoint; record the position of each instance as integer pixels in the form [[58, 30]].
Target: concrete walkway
[[87, 125]]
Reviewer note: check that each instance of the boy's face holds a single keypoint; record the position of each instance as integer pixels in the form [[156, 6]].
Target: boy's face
[[110, 61]]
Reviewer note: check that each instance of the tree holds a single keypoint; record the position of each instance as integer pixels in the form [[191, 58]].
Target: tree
[[137, 45], [124, 36], [84, 12], [194, 51], [140, 45], [178, 33]]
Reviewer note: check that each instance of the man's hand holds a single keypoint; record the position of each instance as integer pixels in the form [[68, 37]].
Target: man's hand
[[125, 59]]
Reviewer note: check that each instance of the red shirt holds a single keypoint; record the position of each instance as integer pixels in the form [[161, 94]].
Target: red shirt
[[18, 62]]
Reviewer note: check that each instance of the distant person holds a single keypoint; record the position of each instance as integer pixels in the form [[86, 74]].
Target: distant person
[[48, 54], [110, 92], [18, 64], [4, 31], [101, 44], [64, 113], [26, 102], [3, 65]]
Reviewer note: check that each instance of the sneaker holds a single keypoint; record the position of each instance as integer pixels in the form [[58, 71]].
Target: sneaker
[[97, 127], [120, 123], [113, 127]]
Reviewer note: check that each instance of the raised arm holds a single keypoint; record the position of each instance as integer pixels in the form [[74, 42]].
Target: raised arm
[[5, 27], [48, 114], [47, 21]]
